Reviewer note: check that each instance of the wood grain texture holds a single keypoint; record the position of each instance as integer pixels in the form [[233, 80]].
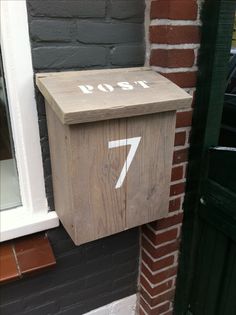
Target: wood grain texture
[[148, 180], [99, 208], [59, 136], [85, 172], [72, 106]]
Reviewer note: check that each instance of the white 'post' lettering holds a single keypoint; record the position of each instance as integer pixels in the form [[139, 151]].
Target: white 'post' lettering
[[125, 86], [105, 87], [134, 143], [86, 89], [143, 84]]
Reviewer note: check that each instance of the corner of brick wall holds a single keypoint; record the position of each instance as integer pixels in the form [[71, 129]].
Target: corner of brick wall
[[174, 37]]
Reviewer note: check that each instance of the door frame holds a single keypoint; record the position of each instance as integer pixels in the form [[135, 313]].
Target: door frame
[[216, 36]]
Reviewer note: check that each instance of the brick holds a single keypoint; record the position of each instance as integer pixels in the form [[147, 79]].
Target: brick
[[167, 296], [177, 173], [128, 55], [174, 205], [67, 8], [167, 222], [162, 250], [155, 290], [154, 301], [174, 9], [141, 311], [51, 30], [159, 264], [183, 79], [180, 156], [160, 238], [145, 306], [121, 9], [155, 311], [160, 276], [177, 189], [172, 58], [148, 299], [180, 138], [109, 33], [168, 34], [68, 57], [184, 119]]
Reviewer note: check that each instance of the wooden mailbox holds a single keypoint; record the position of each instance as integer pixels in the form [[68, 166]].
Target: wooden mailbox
[[111, 136]]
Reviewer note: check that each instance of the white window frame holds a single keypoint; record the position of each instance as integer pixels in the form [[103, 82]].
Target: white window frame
[[33, 216]]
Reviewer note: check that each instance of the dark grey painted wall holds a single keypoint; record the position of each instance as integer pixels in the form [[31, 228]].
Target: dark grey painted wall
[[84, 278], [66, 35]]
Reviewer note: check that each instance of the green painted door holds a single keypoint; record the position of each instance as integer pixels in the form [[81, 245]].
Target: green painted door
[[206, 281], [214, 280]]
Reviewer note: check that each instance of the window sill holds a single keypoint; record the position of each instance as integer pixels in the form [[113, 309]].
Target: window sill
[[18, 222], [25, 256]]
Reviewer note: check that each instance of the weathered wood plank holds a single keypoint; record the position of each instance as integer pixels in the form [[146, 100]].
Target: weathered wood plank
[[86, 172], [110, 174], [60, 154], [149, 177], [99, 208], [86, 96]]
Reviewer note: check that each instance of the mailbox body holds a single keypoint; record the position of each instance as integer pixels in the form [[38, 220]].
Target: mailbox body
[[109, 174]]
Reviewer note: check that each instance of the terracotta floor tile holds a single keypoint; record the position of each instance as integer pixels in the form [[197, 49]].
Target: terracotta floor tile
[[34, 253], [8, 267]]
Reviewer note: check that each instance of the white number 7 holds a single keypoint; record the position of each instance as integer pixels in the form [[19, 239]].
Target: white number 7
[[134, 142]]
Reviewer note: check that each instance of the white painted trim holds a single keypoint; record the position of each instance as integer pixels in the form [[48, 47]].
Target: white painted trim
[[17, 60], [18, 222], [126, 306]]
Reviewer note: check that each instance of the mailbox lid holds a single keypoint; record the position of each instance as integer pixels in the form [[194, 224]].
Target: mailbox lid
[[93, 95]]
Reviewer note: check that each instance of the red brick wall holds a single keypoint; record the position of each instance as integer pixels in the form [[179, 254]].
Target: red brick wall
[[173, 47]]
